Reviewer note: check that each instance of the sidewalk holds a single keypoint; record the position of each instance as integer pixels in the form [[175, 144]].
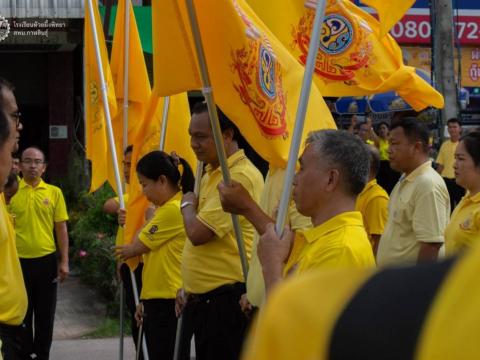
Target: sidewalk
[[80, 312], [91, 349]]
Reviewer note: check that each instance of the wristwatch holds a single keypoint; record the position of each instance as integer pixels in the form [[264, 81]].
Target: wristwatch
[[185, 204]]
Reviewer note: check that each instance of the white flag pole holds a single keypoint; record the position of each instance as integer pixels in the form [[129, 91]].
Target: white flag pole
[[300, 116]]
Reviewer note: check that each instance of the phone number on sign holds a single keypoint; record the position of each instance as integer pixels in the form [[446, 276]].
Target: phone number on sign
[[415, 31]]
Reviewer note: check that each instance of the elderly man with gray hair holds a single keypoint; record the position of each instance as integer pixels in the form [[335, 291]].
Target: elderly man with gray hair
[[333, 170]]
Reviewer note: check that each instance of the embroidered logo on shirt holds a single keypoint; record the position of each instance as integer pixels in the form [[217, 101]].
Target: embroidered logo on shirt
[[153, 229], [46, 202], [466, 225]]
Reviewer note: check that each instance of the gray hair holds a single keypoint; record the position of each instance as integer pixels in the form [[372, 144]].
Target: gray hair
[[345, 151]]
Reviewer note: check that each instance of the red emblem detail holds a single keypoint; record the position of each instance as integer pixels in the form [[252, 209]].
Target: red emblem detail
[[270, 114], [339, 67]]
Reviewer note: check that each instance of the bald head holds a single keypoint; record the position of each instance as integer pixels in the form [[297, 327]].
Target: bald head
[[32, 164]]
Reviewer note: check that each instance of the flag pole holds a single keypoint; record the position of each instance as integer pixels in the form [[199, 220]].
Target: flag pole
[[163, 132], [217, 133], [111, 140], [125, 141], [300, 116], [178, 335], [126, 63]]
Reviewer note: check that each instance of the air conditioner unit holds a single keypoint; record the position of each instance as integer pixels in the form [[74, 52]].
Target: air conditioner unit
[[58, 132]]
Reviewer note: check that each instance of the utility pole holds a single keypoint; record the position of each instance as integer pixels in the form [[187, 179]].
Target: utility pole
[[443, 60]]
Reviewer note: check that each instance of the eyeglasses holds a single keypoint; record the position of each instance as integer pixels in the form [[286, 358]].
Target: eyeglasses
[[16, 115], [33, 161]]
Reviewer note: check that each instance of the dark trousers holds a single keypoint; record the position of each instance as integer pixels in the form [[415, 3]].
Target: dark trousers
[[40, 276], [217, 322], [387, 177], [160, 326], [11, 338], [129, 299], [455, 191]]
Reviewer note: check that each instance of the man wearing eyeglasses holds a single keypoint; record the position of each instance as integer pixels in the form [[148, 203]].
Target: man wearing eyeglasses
[[39, 209]]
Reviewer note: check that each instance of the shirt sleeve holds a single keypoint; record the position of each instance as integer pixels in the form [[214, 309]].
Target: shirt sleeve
[[165, 225], [60, 208], [376, 213], [441, 155], [431, 214], [212, 215]]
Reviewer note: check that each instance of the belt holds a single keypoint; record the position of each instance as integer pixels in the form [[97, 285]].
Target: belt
[[216, 292]]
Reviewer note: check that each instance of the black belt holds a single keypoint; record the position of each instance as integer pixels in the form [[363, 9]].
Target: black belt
[[235, 287]]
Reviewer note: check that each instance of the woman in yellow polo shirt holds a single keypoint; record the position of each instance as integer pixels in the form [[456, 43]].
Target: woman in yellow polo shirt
[[161, 241], [463, 231]]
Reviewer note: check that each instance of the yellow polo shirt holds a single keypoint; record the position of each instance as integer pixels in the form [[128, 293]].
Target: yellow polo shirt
[[339, 242], [463, 230], [383, 149], [372, 203], [13, 296], [446, 157], [165, 236], [301, 314], [269, 201], [119, 239], [217, 262], [36, 210], [298, 319], [418, 212]]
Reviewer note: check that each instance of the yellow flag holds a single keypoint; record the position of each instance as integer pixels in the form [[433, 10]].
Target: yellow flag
[[352, 60], [139, 89], [174, 59], [95, 129], [389, 12], [256, 81], [147, 140]]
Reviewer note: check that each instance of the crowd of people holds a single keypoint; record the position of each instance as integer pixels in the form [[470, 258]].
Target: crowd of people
[[313, 290]]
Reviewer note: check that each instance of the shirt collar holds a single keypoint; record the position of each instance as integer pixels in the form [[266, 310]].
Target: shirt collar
[[473, 199], [351, 218], [232, 159], [41, 184], [369, 184], [418, 171]]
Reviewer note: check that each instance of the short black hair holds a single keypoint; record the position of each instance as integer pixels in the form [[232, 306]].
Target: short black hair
[[128, 149], [225, 123], [454, 121], [414, 130], [471, 142]]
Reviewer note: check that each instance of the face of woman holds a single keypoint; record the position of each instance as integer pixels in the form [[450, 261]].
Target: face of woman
[[383, 131], [467, 175]]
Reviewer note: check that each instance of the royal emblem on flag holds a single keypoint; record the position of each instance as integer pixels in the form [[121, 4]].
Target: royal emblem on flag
[[258, 81], [343, 47]]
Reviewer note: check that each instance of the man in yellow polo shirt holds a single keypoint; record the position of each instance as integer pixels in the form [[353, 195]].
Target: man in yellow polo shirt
[[446, 159], [13, 296], [419, 206], [372, 202], [211, 268], [362, 314], [333, 170], [235, 199], [39, 210]]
